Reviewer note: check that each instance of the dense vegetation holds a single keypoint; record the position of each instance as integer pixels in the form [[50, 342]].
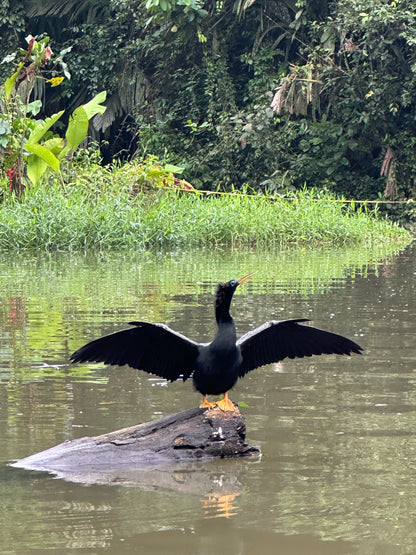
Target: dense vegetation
[[116, 208], [192, 81]]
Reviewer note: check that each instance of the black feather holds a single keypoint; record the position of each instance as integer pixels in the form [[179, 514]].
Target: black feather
[[154, 348], [277, 340], [215, 367]]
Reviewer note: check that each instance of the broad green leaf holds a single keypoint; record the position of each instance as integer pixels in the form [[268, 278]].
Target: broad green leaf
[[77, 128], [42, 127], [94, 106], [45, 154], [54, 145], [36, 167], [34, 107], [173, 169], [9, 84]]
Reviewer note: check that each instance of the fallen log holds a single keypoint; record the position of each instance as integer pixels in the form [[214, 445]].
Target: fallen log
[[191, 435]]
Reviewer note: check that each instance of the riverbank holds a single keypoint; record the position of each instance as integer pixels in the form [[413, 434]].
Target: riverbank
[[110, 209]]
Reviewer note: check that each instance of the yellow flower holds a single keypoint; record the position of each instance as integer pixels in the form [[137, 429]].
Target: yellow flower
[[55, 81]]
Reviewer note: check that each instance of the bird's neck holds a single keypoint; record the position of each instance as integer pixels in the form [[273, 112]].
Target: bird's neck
[[226, 332], [222, 312], [225, 322]]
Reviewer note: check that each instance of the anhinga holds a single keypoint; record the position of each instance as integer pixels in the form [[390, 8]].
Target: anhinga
[[215, 367]]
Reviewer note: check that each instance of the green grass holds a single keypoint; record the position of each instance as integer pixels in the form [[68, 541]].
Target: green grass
[[107, 209]]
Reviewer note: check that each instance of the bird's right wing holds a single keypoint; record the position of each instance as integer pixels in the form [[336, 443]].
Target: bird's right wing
[[276, 340], [154, 348]]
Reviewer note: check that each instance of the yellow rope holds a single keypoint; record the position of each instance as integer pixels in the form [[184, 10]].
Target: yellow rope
[[276, 197]]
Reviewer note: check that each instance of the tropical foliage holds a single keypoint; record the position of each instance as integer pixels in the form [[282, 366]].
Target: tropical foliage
[[270, 93], [142, 206], [28, 148]]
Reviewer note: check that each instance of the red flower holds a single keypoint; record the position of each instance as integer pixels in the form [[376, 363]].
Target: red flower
[[10, 174], [48, 53], [29, 49]]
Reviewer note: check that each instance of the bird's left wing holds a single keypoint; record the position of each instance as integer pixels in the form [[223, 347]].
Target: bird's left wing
[[154, 348], [276, 340]]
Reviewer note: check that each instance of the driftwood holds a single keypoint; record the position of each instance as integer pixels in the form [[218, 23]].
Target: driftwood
[[188, 436]]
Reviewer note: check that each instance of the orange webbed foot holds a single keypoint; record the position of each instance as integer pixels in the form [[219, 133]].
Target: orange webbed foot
[[225, 404], [207, 404]]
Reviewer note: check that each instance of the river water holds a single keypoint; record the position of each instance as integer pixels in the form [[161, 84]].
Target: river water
[[337, 434]]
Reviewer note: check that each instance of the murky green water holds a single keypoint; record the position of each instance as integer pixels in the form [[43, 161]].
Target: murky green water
[[338, 435]]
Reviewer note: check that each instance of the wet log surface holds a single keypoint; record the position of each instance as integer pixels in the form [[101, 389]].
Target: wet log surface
[[192, 435]]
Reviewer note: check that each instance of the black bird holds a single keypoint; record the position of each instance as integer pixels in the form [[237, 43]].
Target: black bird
[[215, 367]]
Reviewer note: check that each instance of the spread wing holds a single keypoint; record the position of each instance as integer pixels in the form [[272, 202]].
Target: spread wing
[[276, 340], [154, 348]]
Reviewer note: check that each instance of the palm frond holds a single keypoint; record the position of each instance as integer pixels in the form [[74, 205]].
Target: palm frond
[[88, 9]]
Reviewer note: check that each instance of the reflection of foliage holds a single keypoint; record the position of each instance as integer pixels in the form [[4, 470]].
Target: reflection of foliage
[[337, 434], [66, 299]]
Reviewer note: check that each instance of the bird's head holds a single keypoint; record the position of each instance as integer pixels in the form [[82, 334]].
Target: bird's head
[[224, 294]]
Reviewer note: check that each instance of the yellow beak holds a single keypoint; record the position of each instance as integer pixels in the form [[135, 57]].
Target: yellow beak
[[244, 278]]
